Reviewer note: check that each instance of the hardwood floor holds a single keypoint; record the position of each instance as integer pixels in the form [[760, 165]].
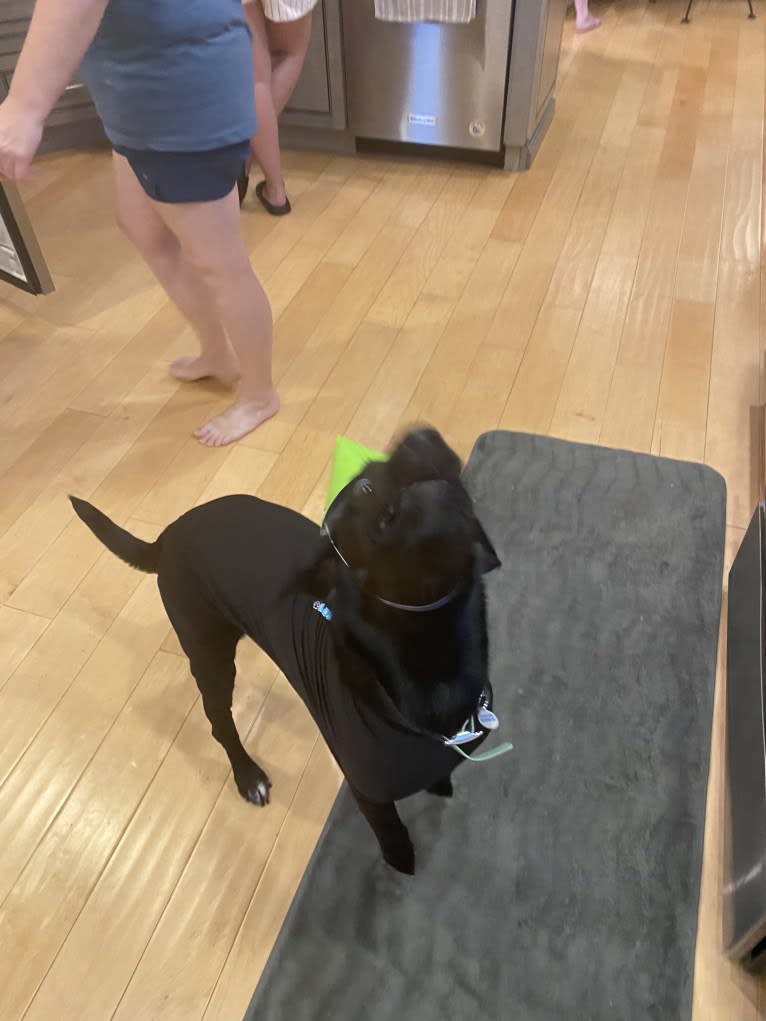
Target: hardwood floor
[[612, 294]]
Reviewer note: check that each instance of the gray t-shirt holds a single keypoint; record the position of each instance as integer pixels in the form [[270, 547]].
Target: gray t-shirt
[[173, 75]]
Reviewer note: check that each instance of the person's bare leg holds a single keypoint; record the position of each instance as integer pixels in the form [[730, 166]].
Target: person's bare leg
[[288, 43], [211, 239], [140, 221], [265, 143], [584, 20]]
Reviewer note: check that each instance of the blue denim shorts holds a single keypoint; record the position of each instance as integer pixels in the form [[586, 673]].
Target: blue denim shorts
[[188, 176]]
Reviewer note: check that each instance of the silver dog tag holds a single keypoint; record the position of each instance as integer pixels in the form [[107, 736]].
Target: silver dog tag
[[487, 719], [462, 737]]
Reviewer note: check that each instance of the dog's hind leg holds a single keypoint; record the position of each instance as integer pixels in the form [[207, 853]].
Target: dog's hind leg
[[392, 835]]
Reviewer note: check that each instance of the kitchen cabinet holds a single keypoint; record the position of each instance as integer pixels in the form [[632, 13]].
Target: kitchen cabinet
[[317, 115], [73, 120], [318, 101], [500, 110], [532, 74]]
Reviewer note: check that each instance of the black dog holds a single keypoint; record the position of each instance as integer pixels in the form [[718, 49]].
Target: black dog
[[378, 621]]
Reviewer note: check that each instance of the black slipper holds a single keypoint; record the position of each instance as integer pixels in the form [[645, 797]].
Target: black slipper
[[282, 210], [243, 182]]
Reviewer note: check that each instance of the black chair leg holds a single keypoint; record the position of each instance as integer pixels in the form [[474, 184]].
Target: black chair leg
[[685, 19]]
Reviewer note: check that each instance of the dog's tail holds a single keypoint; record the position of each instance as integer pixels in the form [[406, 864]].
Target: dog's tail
[[134, 551]]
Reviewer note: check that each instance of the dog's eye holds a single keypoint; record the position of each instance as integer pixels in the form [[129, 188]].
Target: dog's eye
[[385, 519]]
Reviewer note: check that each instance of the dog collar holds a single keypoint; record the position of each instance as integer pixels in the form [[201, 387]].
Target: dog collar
[[414, 608], [421, 608]]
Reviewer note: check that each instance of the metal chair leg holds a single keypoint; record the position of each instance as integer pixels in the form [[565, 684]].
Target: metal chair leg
[[685, 19]]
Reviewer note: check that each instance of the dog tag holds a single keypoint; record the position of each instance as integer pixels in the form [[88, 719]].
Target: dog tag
[[487, 719], [323, 609], [462, 737]]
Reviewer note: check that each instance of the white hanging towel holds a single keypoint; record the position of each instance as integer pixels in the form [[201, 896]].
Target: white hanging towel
[[451, 11]]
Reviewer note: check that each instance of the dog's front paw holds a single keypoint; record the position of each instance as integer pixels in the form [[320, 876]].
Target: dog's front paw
[[253, 784], [401, 856]]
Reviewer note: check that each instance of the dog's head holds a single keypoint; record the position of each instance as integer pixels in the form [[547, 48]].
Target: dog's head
[[406, 527]]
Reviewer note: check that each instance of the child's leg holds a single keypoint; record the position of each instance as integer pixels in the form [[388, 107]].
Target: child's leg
[[288, 44], [584, 20], [265, 143]]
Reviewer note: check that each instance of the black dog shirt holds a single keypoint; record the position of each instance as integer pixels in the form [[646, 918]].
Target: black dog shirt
[[228, 569]]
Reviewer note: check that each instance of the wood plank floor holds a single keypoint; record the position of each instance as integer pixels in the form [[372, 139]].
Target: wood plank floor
[[613, 294]]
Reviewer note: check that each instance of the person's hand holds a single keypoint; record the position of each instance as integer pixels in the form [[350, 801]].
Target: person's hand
[[20, 134]]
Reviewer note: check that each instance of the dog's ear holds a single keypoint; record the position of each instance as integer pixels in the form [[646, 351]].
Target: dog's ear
[[488, 558], [427, 446]]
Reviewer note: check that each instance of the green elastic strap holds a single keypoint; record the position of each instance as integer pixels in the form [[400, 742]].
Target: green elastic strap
[[485, 756]]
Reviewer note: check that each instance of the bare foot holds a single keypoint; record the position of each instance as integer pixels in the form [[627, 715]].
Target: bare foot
[[588, 23], [190, 368], [237, 421]]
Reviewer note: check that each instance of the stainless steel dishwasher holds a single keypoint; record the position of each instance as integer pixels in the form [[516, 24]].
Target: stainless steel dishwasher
[[428, 83]]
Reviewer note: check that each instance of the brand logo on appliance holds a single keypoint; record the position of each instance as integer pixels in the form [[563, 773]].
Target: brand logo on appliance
[[422, 120], [477, 129]]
